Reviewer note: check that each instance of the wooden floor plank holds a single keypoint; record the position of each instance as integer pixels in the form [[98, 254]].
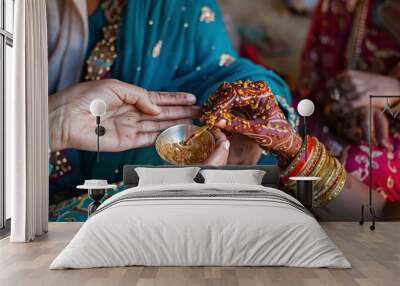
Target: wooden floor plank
[[375, 257]]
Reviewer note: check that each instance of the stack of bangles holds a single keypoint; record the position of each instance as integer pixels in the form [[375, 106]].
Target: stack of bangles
[[320, 163]]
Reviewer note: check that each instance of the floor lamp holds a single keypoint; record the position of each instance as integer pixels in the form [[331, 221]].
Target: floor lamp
[[98, 108], [305, 108], [370, 206], [305, 184]]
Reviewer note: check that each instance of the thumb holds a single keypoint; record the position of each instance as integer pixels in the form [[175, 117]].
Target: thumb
[[136, 96], [220, 155]]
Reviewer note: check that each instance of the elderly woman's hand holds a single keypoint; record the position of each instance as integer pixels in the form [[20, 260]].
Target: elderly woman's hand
[[243, 150], [134, 115], [219, 157], [356, 88], [250, 109]]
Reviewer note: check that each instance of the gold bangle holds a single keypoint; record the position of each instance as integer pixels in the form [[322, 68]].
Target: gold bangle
[[337, 190], [294, 162], [331, 172], [322, 173], [311, 158], [313, 161], [325, 172], [335, 185], [338, 171], [292, 184], [320, 163], [308, 166]]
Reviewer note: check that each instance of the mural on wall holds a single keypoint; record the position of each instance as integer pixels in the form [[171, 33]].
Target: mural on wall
[[379, 168], [174, 66], [384, 167]]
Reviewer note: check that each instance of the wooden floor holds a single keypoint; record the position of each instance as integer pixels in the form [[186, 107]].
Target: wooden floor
[[375, 257]]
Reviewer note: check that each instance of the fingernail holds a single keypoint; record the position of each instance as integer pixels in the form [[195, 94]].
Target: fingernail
[[227, 144], [190, 97]]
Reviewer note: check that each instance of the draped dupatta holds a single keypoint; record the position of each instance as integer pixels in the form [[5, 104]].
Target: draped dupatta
[[67, 42]]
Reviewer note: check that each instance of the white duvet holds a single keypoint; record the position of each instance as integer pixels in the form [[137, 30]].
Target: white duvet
[[188, 231]]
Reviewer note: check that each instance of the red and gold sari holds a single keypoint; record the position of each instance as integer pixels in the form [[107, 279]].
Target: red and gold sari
[[354, 34]]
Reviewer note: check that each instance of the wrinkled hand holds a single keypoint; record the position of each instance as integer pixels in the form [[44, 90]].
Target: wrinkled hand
[[355, 126], [219, 156], [243, 151], [134, 115], [356, 87], [250, 109]]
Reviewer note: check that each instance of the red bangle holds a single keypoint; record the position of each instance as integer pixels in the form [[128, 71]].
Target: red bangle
[[299, 165]]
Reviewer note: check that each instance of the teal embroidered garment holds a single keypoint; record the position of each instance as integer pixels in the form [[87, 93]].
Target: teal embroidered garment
[[173, 45]]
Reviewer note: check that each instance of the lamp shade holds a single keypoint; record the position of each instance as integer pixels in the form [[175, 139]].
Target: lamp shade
[[98, 107], [305, 107]]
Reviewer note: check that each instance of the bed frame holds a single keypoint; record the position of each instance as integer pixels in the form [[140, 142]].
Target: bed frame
[[271, 177]]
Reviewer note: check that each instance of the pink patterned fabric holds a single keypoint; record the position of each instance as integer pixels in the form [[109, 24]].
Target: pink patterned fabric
[[385, 168], [324, 58]]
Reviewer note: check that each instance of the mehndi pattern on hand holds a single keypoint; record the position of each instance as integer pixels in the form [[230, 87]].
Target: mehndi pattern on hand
[[250, 108]]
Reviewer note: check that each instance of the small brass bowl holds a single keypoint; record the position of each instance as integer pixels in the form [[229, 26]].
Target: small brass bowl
[[170, 148]]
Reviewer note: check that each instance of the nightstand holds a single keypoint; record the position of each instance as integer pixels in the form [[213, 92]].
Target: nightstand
[[96, 191], [305, 188]]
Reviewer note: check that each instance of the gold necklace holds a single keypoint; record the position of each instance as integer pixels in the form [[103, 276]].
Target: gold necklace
[[357, 34]]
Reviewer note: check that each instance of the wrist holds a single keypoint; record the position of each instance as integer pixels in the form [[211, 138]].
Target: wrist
[[287, 151], [286, 155], [295, 147]]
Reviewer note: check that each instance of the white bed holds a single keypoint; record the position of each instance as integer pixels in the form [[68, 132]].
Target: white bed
[[201, 224]]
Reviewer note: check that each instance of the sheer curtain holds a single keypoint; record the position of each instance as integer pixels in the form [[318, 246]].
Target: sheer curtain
[[27, 124]]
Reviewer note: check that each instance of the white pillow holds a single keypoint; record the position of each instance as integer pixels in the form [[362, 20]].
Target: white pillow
[[248, 177], [166, 176]]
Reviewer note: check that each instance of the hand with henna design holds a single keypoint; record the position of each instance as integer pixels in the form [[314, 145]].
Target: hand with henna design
[[250, 108]]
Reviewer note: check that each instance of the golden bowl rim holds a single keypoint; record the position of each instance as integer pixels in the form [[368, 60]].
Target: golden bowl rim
[[213, 142]]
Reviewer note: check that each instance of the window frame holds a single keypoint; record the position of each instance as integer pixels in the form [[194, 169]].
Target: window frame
[[6, 39]]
